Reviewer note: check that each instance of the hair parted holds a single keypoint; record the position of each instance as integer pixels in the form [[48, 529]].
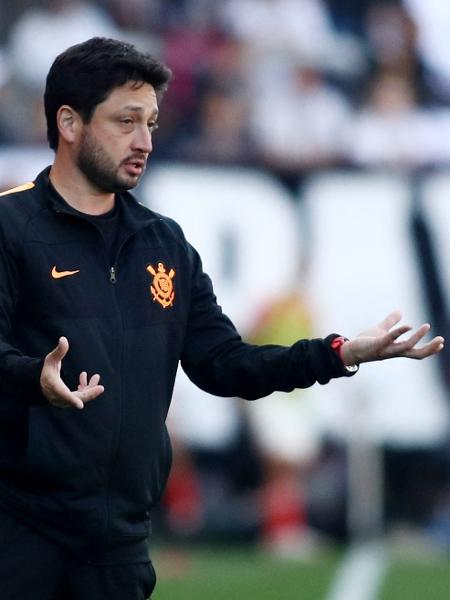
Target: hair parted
[[84, 75]]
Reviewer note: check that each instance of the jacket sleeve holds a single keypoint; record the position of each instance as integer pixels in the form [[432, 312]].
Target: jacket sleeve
[[217, 360], [19, 374]]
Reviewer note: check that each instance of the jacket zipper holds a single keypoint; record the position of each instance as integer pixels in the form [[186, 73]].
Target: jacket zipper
[[113, 279]]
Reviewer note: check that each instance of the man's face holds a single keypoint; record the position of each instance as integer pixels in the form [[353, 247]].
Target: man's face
[[114, 146]]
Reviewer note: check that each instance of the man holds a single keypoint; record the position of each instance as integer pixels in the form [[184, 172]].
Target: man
[[94, 284]]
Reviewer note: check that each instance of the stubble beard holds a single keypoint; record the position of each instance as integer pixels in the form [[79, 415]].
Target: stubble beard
[[99, 168]]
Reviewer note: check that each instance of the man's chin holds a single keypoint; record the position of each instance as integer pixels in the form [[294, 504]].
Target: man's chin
[[126, 183]]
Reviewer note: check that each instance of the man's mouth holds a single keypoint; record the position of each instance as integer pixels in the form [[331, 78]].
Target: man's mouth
[[135, 167]]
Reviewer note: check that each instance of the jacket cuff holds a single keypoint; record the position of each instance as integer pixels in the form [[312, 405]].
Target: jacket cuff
[[327, 361]]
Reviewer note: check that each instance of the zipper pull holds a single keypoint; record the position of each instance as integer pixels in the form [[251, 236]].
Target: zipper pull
[[112, 275]]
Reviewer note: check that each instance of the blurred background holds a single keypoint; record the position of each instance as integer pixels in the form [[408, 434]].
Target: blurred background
[[304, 146]]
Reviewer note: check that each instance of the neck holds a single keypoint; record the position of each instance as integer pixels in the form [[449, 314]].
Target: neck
[[77, 191]]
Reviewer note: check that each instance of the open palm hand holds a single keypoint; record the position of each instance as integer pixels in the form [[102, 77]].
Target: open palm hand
[[382, 341]]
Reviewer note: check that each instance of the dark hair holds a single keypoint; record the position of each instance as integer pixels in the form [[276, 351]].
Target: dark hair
[[84, 75]]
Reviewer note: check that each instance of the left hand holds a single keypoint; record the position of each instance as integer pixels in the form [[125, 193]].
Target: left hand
[[380, 342]]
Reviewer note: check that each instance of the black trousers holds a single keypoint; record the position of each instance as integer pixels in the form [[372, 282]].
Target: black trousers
[[34, 568]]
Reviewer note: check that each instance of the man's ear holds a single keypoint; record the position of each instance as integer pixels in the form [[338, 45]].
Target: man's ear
[[68, 121]]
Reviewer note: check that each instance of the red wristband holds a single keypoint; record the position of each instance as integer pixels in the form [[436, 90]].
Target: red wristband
[[336, 345]]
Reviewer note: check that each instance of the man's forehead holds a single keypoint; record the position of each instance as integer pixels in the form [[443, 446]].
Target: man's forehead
[[133, 95]]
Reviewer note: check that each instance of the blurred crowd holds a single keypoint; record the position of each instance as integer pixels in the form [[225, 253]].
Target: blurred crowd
[[290, 85]]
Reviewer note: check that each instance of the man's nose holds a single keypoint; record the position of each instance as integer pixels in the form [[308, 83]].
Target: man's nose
[[143, 140]]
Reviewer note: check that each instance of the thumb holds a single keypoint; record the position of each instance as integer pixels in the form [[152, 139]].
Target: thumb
[[58, 353]]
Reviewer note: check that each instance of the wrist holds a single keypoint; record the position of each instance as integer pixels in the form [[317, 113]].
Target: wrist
[[347, 354], [342, 346]]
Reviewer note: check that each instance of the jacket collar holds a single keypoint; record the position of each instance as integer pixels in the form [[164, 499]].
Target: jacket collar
[[134, 214]]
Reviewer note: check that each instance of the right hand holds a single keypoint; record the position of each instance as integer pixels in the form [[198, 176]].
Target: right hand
[[54, 388]]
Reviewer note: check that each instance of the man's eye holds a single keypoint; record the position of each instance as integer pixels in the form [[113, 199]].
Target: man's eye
[[152, 127], [126, 121]]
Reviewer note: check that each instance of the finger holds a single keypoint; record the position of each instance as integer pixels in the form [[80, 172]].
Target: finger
[[388, 347], [433, 347], [414, 339], [89, 393], [397, 332], [408, 348], [62, 397], [93, 381], [58, 353], [389, 321], [82, 380], [74, 402]]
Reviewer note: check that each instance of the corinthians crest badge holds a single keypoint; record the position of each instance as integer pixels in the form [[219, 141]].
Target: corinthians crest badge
[[162, 286]]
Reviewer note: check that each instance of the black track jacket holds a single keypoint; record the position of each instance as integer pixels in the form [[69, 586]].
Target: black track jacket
[[89, 478]]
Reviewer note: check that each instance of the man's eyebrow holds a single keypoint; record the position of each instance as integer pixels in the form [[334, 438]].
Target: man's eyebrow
[[140, 109]]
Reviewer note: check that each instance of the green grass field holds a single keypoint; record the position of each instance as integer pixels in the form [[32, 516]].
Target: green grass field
[[219, 573], [417, 580], [232, 574]]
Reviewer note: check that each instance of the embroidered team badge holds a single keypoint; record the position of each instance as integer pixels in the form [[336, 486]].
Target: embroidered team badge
[[162, 286]]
